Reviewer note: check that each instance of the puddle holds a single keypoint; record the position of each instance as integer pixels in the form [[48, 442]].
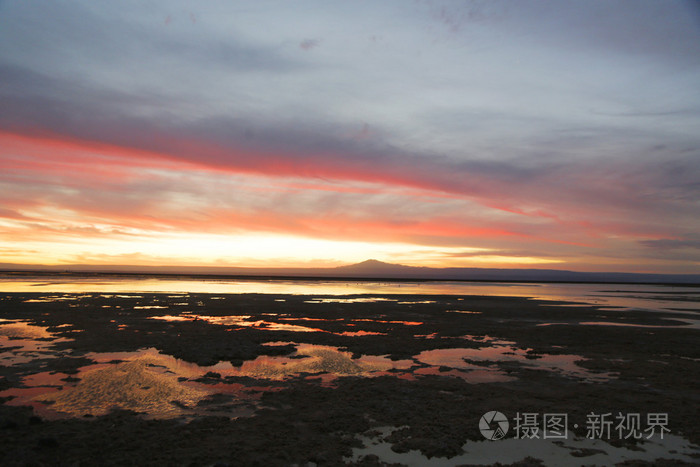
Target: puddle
[[561, 453], [433, 335], [301, 318], [52, 299], [451, 362], [146, 381], [496, 358], [350, 300], [21, 342], [405, 323], [690, 324], [16, 329], [315, 359], [242, 321], [360, 333], [472, 375], [134, 385], [175, 318], [162, 386]]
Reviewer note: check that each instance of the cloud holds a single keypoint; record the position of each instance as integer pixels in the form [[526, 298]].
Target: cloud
[[598, 195], [11, 214], [671, 244], [308, 44], [514, 128]]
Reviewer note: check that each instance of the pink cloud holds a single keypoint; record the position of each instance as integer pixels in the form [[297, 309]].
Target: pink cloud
[[127, 188]]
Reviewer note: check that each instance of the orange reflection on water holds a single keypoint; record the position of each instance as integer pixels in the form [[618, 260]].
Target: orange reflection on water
[[651, 297], [144, 381], [350, 300], [405, 323], [360, 333], [22, 329], [240, 321], [133, 385], [318, 359], [21, 342], [244, 321]]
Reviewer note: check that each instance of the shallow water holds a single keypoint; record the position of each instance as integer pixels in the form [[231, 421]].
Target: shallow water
[[162, 386], [245, 321], [21, 342], [560, 453], [641, 296], [686, 324], [491, 359], [146, 381]]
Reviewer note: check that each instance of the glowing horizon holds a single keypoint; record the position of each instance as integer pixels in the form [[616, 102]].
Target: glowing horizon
[[458, 135]]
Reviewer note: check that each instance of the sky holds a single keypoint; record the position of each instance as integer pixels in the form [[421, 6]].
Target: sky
[[511, 134]]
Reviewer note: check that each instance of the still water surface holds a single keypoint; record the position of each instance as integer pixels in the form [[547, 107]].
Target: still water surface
[[641, 296]]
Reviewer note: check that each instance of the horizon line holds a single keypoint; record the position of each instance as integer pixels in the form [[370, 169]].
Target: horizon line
[[356, 271]]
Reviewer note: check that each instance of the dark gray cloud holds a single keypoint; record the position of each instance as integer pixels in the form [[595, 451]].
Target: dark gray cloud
[[664, 185], [308, 44], [673, 244]]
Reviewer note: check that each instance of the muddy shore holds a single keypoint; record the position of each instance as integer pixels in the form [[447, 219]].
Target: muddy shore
[[316, 414]]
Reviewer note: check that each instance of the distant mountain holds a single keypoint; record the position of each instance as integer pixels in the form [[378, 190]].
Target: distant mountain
[[372, 266], [373, 269]]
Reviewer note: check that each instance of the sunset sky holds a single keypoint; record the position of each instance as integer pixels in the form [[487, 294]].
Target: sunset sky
[[543, 134]]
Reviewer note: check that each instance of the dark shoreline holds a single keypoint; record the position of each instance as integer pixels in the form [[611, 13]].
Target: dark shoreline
[[655, 370]]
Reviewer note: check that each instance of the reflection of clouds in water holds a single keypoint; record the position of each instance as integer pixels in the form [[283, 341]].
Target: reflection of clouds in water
[[143, 384], [316, 359], [497, 353], [51, 299], [21, 342], [276, 326], [353, 300], [19, 329], [644, 296], [148, 381], [239, 321]]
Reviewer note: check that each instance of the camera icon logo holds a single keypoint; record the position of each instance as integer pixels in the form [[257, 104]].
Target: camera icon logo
[[493, 425]]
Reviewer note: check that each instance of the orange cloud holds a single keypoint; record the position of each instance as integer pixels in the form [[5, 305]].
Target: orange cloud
[[63, 188]]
